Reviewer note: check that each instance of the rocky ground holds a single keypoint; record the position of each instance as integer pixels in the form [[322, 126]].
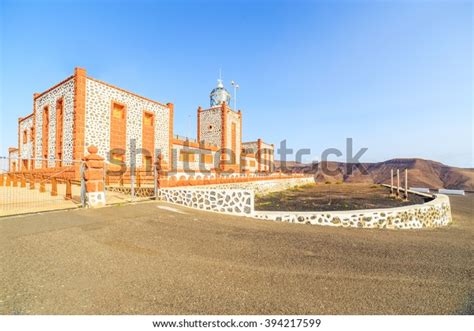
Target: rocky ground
[[156, 258], [322, 196]]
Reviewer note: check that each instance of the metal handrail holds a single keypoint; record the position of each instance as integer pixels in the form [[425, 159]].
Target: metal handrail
[[55, 175]]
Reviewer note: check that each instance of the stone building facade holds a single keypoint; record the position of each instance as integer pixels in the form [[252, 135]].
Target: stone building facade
[[81, 111]]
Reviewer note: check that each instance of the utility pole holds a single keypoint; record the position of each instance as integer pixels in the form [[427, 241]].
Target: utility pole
[[406, 184], [236, 86], [391, 182], [398, 183]]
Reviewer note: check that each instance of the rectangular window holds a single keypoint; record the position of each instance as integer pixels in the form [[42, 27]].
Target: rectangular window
[[148, 162], [186, 156], [148, 119], [118, 126], [118, 111], [252, 163], [148, 133], [206, 158], [32, 134], [25, 137], [118, 156]]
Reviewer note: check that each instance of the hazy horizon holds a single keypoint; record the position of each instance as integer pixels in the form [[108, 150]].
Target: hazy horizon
[[395, 76]]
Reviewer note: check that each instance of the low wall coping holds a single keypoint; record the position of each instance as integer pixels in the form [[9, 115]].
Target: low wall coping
[[439, 198]]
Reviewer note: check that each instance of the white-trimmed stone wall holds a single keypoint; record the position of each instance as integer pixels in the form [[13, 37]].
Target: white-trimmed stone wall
[[251, 146], [210, 126], [26, 147], [248, 160], [194, 166], [237, 202], [434, 213], [265, 186], [99, 98], [177, 175], [226, 198], [267, 154], [13, 161], [65, 91]]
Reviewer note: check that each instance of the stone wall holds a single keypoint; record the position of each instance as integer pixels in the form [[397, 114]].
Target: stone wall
[[238, 198], [434, 213], [13, 161], [211, 125], [265, 186], [26, 146], [196, 165], [49, 99], [239, 202], [99, 98]]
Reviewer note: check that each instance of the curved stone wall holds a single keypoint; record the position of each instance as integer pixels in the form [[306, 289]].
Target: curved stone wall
[[238, 202], [265, 186], [434, 213], [227, 199]]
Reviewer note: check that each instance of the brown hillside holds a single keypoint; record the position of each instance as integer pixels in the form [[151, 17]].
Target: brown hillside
[[421, 173]]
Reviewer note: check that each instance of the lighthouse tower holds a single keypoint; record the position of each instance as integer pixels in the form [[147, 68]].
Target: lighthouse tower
[[221, 126]]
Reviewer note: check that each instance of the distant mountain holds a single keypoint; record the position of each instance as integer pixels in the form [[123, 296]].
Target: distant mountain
[[421, 173]]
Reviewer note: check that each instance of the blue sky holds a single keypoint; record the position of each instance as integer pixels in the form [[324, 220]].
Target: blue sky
[[396, 76]]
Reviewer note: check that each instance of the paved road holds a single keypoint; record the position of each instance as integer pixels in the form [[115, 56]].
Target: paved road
[[155, 258]]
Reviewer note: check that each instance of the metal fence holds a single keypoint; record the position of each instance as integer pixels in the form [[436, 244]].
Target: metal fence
[[129, 184], [36, 185], [26, 187]]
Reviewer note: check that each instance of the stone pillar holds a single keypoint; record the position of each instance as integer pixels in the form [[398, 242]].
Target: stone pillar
[[68, 195], [171, 133], [54, 186], [79, 118], [32, 181], [160, 167], [94, 178], [42, 188]]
